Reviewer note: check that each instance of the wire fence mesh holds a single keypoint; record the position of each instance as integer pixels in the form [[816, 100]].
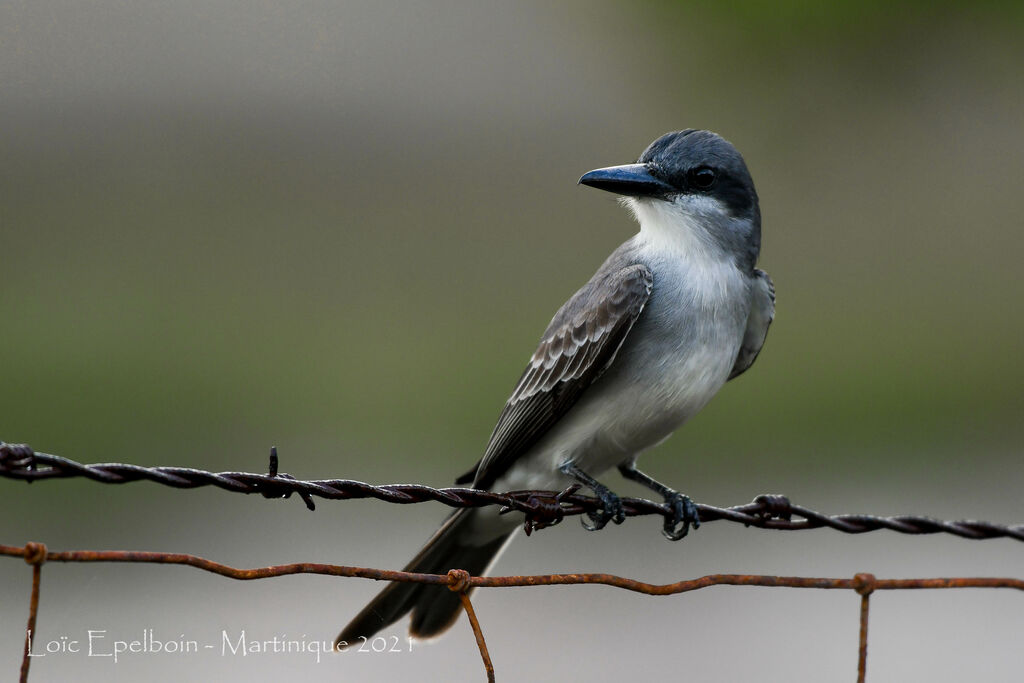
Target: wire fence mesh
[[539, 508]]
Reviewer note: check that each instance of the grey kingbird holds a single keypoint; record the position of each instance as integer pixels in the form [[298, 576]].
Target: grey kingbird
[[672, 315]]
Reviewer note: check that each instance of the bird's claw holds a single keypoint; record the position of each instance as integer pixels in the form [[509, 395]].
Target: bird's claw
[[684, 513], [611, 510]]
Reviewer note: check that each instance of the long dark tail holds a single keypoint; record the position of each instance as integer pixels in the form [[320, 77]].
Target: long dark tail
[[434, 608]]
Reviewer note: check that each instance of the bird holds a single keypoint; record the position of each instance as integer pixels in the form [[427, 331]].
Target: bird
[[671, 315]]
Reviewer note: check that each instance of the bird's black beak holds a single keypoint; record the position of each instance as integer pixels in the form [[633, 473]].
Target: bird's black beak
[[632, 180]]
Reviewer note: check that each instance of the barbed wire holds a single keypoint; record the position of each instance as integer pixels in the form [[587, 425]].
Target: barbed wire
[[461, 582], [540, 508]]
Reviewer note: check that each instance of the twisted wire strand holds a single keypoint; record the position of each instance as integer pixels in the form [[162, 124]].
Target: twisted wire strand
[[541, 508]]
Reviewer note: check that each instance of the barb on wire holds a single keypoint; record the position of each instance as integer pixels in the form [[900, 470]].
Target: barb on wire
[[540, 508]]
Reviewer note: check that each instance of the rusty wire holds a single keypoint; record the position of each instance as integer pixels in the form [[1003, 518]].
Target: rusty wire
[[540, 508], [866, 586], [35, 555], [462, 582]]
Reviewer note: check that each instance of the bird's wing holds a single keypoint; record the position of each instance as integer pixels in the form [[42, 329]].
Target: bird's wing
[[762, 311], [579, 344]]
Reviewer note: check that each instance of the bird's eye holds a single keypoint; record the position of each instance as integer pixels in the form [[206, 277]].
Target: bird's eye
[[703, 178]]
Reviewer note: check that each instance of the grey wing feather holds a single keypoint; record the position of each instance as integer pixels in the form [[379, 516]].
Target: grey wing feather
[[579, 344], [762, 311]]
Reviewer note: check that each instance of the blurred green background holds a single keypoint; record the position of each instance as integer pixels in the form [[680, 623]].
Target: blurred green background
[[340, 228]]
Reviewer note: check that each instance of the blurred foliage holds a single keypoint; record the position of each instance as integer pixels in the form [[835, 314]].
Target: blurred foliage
[[787, 19]]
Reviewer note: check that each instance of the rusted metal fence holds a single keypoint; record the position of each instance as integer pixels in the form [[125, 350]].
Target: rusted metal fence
[[540, 509]]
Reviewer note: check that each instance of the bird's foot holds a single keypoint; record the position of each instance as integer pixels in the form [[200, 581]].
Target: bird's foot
[[683, 510], [611, 510], [684, 514]]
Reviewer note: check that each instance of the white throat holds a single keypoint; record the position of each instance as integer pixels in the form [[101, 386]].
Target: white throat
[[676, 229]]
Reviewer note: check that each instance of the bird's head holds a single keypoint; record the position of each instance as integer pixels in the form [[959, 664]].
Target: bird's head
[[695, 181]]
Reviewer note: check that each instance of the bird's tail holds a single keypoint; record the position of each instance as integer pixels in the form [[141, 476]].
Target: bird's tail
[[434, 608]]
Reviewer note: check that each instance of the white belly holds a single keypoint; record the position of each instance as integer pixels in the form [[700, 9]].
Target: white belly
[[623, 414]]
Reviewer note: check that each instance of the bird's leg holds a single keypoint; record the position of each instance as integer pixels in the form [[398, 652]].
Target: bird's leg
[[684, 512], [611, 505]]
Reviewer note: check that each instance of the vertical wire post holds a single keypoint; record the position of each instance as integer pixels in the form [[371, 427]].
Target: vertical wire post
[[864, 584], [459, 582], [35, 555]]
